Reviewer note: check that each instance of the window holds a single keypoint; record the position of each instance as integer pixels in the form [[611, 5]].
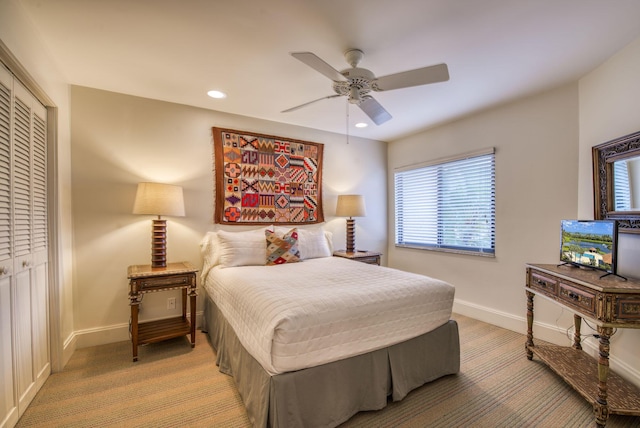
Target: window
[[447, 205]]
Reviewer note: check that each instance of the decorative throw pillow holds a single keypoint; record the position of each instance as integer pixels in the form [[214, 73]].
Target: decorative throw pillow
[[283, 249]]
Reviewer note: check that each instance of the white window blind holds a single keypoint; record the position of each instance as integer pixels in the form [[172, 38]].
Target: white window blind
[[621, 189], [448, 206]]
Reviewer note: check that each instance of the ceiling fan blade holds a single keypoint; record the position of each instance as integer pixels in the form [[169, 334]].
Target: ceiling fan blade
[[417, 77], [310, 102], [319, 65], [374, 110]]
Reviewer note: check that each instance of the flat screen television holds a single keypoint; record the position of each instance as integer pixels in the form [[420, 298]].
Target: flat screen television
[[589, 243]]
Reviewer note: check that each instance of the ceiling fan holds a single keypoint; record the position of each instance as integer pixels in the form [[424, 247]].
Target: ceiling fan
[[357, 83]]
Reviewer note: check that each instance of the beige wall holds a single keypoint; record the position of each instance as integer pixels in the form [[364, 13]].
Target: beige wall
[[536, 142], [609, 109], [21, 39], [120, 140]]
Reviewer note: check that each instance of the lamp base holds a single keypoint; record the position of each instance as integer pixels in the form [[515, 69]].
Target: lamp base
[[351, 235], [159, 243]]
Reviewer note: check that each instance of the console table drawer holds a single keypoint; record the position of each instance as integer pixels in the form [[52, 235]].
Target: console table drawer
[[547, 285], [628, 308], [578, 297]]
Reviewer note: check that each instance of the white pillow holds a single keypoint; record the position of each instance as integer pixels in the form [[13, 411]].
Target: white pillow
[[247, 248], [329, 237], [210, 253], [208, 247], [312, 243]]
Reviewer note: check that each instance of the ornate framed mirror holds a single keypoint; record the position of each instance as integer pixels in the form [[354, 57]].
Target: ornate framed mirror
[[616, 182]]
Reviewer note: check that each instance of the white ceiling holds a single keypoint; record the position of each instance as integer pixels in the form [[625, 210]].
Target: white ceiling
[[177, 50]]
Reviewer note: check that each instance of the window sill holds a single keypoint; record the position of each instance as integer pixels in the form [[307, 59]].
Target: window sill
[[447, 250]]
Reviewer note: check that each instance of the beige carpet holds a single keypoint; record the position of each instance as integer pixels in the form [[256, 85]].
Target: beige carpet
[[173, 385]]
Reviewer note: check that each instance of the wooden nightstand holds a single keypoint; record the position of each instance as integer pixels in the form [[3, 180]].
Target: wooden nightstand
[[145, 279], [369, 257]]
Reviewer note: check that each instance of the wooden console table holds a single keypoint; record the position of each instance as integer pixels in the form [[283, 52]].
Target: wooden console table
[[145, 279], [610, 303]]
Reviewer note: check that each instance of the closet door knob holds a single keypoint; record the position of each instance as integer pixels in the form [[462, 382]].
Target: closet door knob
[[25, 263], [4, 270]]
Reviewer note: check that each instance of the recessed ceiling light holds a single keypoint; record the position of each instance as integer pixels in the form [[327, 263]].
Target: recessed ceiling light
[[217, 94], [361, 125]]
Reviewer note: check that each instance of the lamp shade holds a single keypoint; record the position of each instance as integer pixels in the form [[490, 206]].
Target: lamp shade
[[351, 206], [159, 199]]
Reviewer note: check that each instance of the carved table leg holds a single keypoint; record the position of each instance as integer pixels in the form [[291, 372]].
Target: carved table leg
[[134, 302], [184, 303], [529, 325], [577, 322], [192, 309], [601, 407]]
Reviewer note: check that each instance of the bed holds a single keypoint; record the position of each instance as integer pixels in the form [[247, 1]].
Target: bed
[[311, 339]]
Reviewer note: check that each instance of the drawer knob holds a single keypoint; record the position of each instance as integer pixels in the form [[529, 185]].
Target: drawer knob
[[541, 282]]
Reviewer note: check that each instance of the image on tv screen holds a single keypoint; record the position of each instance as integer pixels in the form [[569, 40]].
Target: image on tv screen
[[588, 243]]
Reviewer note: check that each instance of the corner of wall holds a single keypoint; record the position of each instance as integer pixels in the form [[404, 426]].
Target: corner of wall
[[68, 348]]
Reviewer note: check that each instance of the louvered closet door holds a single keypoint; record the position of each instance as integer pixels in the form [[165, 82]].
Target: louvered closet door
[[30, 244], [40, 253], [8, 392], [24, 314]]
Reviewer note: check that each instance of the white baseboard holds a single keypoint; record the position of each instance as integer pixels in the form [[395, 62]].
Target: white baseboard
[[103, 335], [546, 332]]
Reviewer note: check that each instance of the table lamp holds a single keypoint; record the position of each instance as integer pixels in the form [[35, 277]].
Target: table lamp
[[159, 199], [351, 206]]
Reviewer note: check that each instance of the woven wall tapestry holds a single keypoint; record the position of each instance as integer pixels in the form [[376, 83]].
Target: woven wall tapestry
[[262, 179]]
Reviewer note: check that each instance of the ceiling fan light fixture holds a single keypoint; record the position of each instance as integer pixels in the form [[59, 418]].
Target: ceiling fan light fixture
[[354, 95]]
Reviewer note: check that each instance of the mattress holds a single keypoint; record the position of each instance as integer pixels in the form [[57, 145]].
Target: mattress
[[299, 315]]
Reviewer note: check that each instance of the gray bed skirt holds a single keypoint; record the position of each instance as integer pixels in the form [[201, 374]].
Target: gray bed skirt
[[328, 395]]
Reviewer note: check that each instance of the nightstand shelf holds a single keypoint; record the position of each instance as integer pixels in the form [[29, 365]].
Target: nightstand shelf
[[168, 328], [369, 257]]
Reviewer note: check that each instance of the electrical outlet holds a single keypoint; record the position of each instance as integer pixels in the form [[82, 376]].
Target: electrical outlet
[[171, 303]]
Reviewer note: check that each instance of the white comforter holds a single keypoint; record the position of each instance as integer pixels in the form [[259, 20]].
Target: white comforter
[[300, 315]]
